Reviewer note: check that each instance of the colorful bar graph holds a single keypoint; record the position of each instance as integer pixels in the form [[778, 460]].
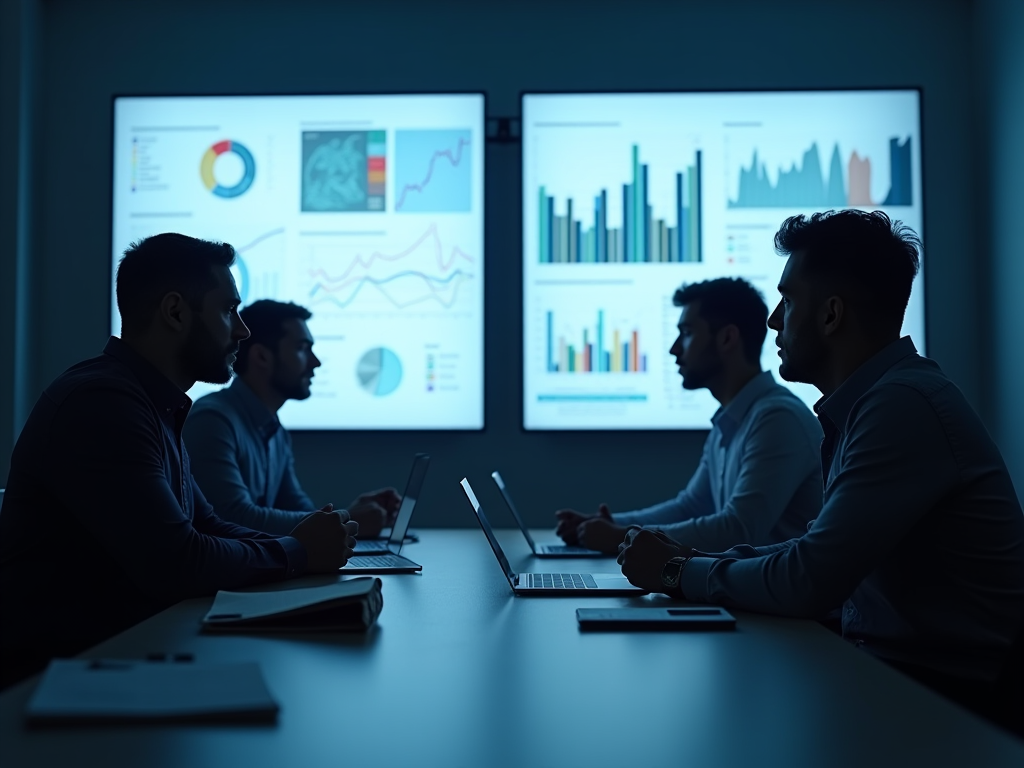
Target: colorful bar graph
[[805, 185], [640, 238], [593, 355]]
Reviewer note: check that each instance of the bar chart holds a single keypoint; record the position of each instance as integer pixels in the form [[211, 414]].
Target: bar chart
[[565, 238], [595, 352]]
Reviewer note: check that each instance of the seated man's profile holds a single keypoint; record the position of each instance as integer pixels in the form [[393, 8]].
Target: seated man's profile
[[102, 523], [759, 480], [920, 539], [241, 455]]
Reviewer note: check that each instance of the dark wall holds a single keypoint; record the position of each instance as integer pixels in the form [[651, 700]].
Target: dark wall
[[92, 50], [1000, 32]]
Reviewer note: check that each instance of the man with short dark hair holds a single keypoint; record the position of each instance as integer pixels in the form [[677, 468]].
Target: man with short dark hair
[[102, 523], [241, 455], [758, 479], [920, 538]]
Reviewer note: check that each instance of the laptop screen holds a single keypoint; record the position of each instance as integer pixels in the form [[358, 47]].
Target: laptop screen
[[499, 481], [412, 492], [489, 532]]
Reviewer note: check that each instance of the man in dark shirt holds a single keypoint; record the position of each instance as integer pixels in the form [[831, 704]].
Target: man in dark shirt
[[102, 523], [920, 538], [241, 455]]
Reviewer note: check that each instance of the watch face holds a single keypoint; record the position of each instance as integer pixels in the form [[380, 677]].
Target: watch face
[[670, 573]]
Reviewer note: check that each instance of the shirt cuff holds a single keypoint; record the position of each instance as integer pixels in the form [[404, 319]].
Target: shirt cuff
[[693, 581], [295, 554]]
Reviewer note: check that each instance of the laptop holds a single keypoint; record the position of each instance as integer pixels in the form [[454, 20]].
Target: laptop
[[579, 584], [391, 561], [379, 545], [541, 550]]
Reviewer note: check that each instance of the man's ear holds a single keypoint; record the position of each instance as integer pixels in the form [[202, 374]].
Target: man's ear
[[261, 356], [728, 337], [175, 313], [833, 311]]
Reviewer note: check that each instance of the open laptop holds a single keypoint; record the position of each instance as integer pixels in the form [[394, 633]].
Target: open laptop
[[541, 550], [392, 561], [579, 584], [380, 545]]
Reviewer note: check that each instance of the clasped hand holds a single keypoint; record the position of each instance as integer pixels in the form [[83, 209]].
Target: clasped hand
[[375, 510], [329, 538], [597, 532], [643, 555]]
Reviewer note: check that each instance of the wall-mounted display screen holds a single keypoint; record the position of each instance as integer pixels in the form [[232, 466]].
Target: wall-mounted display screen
[[626, 197], [367, 210]]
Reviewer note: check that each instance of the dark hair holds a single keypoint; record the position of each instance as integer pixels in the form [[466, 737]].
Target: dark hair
[[265, 320], [730, 301], [868, 255], [153, 267]]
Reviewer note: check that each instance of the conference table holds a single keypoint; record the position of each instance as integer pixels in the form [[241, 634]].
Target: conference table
[[459, 672]]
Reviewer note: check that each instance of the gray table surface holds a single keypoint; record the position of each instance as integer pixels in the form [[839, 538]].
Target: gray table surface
[[461, 673]]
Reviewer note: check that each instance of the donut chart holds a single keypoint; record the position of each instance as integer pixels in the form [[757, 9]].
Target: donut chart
[[210, 158]]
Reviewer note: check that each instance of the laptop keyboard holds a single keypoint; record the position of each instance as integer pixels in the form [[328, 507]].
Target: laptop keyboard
[[562, 581], [565, 549], [377, 561], [369, 545]]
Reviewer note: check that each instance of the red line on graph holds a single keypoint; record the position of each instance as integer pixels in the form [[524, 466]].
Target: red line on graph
[[453, 159], [430, 233]]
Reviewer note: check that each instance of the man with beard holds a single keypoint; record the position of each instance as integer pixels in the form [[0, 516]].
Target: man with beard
[[758, 481], [102, 524], [241, 455], [920, 538]]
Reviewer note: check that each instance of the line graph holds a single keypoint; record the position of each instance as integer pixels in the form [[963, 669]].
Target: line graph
[[432, 170], [425, 271], [430, 234], [265, 236], [444, 290]]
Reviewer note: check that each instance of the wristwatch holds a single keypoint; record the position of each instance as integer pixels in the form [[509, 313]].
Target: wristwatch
[[672, 571]]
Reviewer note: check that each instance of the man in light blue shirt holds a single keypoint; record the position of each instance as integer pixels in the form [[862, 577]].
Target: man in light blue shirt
[[241, 455], [758, 480], [921, 537]]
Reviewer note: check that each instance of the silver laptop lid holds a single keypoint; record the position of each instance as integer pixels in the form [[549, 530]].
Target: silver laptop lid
[[498, 481], [413, 486], [489, 532]]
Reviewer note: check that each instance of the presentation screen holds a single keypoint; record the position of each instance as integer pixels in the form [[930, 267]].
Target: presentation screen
[[366, 210], [626, 197]]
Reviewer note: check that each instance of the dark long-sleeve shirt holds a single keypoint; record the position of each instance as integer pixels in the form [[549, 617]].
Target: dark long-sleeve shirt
[[242, 459], [102, 524], [921, 536]]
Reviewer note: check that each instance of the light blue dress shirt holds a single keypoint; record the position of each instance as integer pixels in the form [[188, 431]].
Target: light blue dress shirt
[[921, 536], [758, 481], [242, 459]]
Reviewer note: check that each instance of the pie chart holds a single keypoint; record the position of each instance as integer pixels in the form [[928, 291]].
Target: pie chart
[[379, 371]]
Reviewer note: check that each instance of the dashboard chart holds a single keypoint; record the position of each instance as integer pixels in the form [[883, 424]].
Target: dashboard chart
[[627, 197], [366, 210]]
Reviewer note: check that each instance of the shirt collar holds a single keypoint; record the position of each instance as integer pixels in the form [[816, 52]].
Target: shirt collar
[[837, 406], [265, 422], [162, 391], [729, 417]]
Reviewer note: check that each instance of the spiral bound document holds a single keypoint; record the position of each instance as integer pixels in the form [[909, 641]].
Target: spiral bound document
[[345, 606]]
